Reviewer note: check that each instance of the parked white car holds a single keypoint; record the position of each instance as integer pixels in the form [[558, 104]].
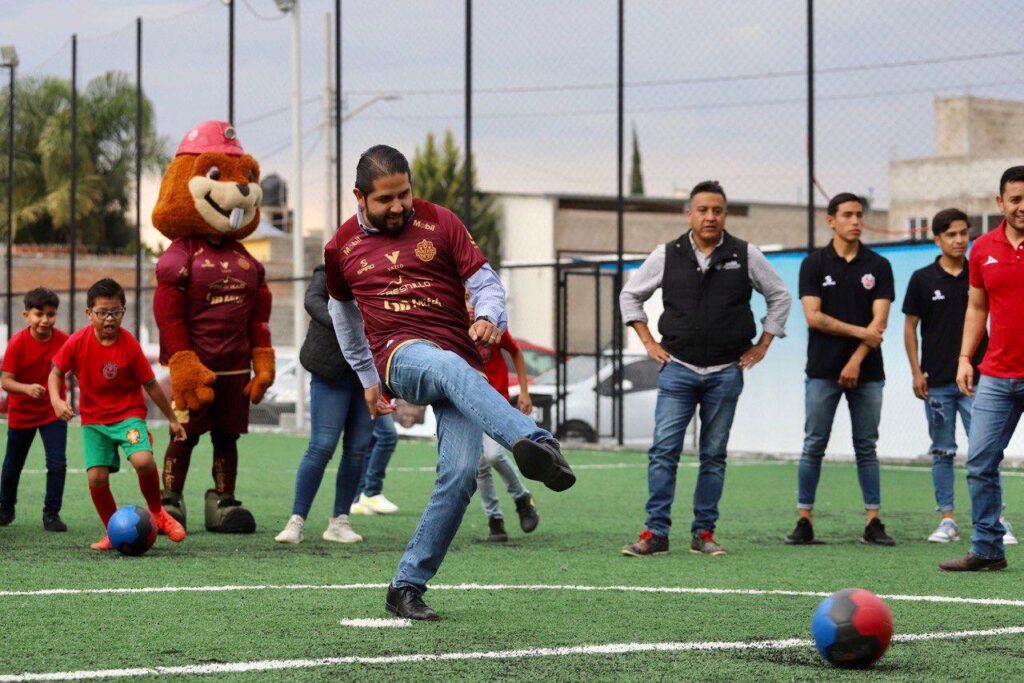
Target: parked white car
[[588, 400]]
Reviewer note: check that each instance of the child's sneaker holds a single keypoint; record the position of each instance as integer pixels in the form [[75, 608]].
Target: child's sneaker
[[378, 504], [170, 526], [357, 508], [103, 545], [528, 517], [947, 531], [292, 532], [1008, 537], [340, 531]]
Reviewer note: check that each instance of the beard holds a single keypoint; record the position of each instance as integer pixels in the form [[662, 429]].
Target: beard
[[381, 222]]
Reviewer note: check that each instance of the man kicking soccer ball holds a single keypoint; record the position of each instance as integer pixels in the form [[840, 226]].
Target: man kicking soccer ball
[[406, 263]]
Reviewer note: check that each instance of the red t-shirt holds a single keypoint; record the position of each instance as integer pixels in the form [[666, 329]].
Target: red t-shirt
[[998, 268], [110, 378], [494, 363], [28, 359], [408, 285], [220, 285]]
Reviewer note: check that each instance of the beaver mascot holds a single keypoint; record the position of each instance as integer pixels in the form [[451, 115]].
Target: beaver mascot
[[212, 307]]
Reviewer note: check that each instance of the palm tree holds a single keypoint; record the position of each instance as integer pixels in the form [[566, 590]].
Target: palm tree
[[106, 160]]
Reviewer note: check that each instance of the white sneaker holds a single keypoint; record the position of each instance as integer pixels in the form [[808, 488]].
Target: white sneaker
[[947, 531], [340, 531], [1008, 537], [378, 504], [292, 532], [357, 508]]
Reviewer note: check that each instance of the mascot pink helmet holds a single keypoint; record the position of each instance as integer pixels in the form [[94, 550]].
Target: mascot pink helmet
[[211, 136]]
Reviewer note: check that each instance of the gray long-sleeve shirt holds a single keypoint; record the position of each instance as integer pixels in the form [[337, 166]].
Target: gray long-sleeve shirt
[[763, 278]]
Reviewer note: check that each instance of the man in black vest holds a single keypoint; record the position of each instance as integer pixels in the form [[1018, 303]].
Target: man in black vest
[[706, 277], [846, 290]]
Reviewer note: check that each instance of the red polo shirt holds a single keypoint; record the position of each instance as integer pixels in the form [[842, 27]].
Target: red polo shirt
[[998, 268]]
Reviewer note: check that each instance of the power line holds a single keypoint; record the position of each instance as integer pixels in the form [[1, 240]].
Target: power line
[[662, 82], [699, 107]]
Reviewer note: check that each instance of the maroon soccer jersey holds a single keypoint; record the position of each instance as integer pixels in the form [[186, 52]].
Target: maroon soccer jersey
[[408, 285], [220, 286]]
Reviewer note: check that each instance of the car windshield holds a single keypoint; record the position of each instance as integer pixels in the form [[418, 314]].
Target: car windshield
[[577, 369]]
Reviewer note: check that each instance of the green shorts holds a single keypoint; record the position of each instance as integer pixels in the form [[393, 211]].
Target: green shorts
[[101, 442]]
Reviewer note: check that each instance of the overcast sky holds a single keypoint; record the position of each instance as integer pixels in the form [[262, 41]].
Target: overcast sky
[[715, 90]]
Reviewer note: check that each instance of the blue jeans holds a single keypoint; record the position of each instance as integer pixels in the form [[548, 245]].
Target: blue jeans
[[941, 407], [821, 398], [55, 437], [335, 407], [680, 391], [998, 404], [494, 458], [465, 406], [382, 447]]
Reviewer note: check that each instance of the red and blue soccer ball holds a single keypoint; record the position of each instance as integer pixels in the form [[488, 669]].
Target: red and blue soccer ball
[[132, 530], [852, 628]]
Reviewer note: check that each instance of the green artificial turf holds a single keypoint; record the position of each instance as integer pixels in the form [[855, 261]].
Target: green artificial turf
[[577, 543]]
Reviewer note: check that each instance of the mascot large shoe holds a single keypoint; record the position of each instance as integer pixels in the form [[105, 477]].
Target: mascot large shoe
[[212, 308]]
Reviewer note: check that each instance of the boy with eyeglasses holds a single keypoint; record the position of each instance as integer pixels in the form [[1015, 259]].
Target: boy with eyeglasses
[[110, 367]]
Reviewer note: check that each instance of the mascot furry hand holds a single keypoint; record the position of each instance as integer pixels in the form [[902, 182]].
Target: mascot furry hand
[[212, 308]]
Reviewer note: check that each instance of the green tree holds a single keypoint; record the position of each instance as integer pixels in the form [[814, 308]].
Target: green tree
[[636, 176], [438, 175], [106, 161]]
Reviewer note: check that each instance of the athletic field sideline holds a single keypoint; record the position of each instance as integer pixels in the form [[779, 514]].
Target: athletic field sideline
[[559, 604]]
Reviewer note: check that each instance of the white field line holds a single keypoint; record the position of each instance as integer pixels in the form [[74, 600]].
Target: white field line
[[678, 590], [921, 469], [376, 623], [612, 648]]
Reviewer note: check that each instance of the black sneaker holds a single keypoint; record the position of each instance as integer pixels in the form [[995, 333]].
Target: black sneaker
[[497, 527], [528, 517], [803, 534], [647, 544], [53, 522], [6, 517], [874, 534]]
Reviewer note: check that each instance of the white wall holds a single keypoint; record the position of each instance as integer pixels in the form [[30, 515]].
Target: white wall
[[528, 235]]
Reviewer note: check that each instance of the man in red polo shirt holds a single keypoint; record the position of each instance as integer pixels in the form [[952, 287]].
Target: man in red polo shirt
[[996, 295], [399, 269]]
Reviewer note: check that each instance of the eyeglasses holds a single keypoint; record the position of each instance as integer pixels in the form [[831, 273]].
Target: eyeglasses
[[103, 313]]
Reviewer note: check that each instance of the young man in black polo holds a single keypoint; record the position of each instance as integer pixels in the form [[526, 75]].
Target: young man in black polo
[[937, 299], [846, 290]]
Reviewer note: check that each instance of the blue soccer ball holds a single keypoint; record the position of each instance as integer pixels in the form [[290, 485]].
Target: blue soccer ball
[[132, 530]]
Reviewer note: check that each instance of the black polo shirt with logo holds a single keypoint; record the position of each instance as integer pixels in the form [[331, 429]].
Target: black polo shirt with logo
[[847, 291], [939, 299]]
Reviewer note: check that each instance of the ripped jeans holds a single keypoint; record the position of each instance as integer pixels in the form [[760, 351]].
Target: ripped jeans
[[941, 407]]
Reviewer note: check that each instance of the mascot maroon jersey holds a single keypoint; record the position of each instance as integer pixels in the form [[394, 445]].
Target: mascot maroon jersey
[[409, 285], [220, 286]]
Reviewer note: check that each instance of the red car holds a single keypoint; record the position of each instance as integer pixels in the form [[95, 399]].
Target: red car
[[538, 359]]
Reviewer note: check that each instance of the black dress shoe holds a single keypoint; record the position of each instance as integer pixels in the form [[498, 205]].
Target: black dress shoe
[[543, 462], [407, 602], [53, 522]]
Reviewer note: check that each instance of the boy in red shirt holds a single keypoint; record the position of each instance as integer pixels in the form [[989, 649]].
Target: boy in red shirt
[[110, 367], [493, 456], [23, 376]]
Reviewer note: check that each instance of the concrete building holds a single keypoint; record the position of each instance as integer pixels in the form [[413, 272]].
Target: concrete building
[[976, 139], [537, 228]]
